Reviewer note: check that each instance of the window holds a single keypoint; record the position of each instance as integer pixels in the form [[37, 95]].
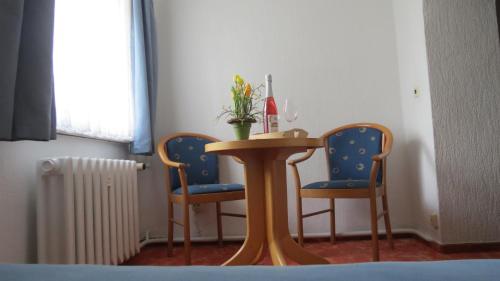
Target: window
[[92, 68]]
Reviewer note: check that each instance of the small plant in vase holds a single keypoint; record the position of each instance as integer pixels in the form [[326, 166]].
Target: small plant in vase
[[244, 109]]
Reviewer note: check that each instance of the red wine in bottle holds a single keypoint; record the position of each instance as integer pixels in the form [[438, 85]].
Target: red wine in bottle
[[270, 111]]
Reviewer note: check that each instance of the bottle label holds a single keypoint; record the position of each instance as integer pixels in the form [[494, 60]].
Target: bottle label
[[272, 121]]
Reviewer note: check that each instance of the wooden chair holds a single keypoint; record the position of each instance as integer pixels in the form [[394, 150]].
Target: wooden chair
[[356, 156], [192, 176]]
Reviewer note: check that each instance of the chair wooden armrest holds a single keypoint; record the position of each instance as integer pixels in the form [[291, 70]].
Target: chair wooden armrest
[[238, 160], [173, 164], [166, 161], [306, 156], [381, 156], [386, 150], [183, 179], [374, 174], [295, 170], [296, 175]]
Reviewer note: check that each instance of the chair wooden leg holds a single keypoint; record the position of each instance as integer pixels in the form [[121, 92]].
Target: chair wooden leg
[[187, 235], [374, 226], [387, 221], [219, 224], [332, 220], [300, 227], [170, 230]]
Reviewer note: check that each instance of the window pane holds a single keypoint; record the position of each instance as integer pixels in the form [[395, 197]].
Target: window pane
[[92, 68]]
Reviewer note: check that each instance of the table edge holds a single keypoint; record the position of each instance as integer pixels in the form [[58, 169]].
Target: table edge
[[264, 144]]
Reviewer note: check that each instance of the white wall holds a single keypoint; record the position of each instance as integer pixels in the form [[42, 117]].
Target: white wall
[[18, 186], [417, 115], [341, 61], [464, 69], [336, 59]]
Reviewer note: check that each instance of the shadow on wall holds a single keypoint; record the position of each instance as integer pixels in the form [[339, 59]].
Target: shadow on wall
[[421, 156]]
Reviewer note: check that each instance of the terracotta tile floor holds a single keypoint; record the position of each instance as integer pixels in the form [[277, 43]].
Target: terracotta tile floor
[[407, 249]]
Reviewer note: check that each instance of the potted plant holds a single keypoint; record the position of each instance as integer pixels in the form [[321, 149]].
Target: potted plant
[[244, 109]]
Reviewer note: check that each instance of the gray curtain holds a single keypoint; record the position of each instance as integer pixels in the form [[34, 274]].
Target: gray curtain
[[144, 75], [27, 110], [498, 16]]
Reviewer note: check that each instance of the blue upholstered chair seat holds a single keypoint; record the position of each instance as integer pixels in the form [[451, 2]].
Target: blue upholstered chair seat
[[339, 184], [211, 188]]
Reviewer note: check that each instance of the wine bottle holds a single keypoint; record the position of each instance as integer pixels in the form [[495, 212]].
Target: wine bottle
[[270, 111]]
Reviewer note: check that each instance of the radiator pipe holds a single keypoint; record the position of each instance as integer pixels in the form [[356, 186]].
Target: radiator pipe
[[140, 166], [52, 166]]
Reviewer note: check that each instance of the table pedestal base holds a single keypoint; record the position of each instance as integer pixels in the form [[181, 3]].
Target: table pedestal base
[[267, 215]]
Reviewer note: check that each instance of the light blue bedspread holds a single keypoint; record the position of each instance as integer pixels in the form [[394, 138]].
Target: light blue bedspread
[[466, 270]]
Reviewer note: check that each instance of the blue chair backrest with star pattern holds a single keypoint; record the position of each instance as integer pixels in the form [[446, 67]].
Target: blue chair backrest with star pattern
[[350, 153], [201, 167]]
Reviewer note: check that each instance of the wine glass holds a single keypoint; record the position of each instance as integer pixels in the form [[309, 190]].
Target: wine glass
[[291, 111]]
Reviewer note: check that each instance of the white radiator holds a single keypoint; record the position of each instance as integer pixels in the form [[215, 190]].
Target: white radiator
[[87, 211]]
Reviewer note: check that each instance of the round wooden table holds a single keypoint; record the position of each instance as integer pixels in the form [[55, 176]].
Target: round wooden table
[[266, 198]]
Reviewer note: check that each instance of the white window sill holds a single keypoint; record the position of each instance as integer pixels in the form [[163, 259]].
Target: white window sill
[[64, 133]]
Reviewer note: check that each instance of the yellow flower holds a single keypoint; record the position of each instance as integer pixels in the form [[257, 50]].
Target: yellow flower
[[248, 90], [238, 80]]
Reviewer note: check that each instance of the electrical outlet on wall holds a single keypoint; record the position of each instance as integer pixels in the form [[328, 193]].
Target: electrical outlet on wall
[[434, 221], [196, 207]]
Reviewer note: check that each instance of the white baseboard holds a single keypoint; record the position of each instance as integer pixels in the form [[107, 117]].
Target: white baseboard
[[162, 239]]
